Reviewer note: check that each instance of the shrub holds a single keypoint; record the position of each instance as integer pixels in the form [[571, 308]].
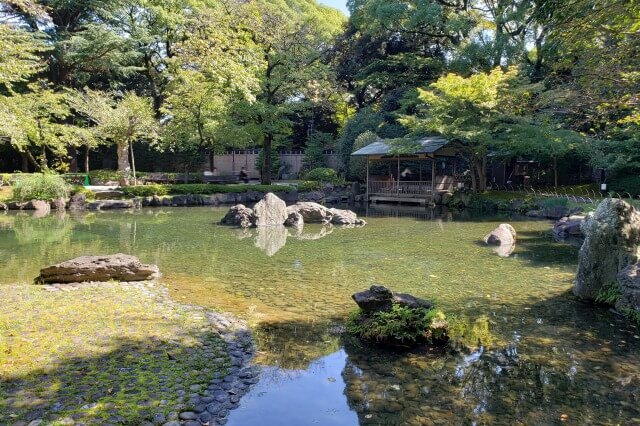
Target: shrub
[[630, 184], [551, 203], [37, 186], [309, 185], [400, 325], [609, 295], [145, 190], [104, 176], [206, 189], [324, 175], [5, 179], [90, 195]]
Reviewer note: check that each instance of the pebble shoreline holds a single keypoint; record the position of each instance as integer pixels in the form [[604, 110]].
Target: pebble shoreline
[[213, 404]]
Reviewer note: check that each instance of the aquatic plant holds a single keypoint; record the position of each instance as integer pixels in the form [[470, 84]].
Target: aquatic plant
[[400, 325]]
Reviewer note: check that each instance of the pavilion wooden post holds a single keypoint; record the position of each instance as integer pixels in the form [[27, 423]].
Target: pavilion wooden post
[[398, 177], [433, 176], [367, 179]]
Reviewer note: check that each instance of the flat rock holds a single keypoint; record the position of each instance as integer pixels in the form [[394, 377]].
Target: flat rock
[[109, 204], [311, 212], [345, 217], [119, 267]]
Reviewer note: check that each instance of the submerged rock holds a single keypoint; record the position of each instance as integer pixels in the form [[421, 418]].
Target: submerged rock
[[270, 211], [239, 215], [612, 242], [119, 267], [504, 234]]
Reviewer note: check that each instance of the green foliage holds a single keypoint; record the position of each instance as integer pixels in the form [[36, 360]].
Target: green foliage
[[308, 186], [275, 162], [90, 195], [104, 175], [145, 190], [358, 165], [207, 189], [40, 186], [323, 175], [314, 151], [622, 184], [551, 203], [400, 325], [609, 294]]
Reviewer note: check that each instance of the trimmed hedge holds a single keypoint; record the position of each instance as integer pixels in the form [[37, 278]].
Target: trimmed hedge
[[200, 189], [309, 185], [324, 175]]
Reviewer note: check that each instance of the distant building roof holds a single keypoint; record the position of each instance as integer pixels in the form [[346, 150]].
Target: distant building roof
[[430, 144]]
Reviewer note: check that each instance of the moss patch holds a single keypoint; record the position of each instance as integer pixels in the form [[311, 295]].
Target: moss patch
[[100, 354], [400, 326]]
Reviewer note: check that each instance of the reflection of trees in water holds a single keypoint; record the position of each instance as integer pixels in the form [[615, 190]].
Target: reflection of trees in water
[[575, 364], [294, 345]]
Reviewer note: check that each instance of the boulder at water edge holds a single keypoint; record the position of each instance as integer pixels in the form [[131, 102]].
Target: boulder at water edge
[[345, 217], [504, 234], [612, 242], [311, 212], [270, 211], [119, 267], [569, 226], [239, 215]]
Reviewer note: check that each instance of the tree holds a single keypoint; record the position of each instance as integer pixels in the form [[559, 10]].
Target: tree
[[314, 151], [464, 110], [291, 41], [121, 122]]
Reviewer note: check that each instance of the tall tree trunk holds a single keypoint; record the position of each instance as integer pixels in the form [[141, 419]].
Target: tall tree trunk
[[25, 162], [123, 156], [133, 165], [266, 160], [86, 160], [555, 172], [73, 159], [211, 160]]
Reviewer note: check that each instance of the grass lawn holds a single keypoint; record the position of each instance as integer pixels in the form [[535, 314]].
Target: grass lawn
[[107, 353]]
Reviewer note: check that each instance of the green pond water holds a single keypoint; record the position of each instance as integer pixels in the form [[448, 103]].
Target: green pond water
[[539, 356]]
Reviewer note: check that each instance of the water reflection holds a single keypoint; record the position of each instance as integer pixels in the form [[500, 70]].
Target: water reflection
[[271, 239]]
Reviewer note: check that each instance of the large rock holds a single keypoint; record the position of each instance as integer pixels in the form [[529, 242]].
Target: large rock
[[629, 287], [270, 211], [379, 298], [312, 212], [119, 267], [569, 226], [3, 207], [612, 242], [294, 219], [58, 204], [345, 217], [239, 215], [504, 234], [78, 201]]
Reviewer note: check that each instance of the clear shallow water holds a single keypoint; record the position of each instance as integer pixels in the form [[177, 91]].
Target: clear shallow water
[[545, 354]]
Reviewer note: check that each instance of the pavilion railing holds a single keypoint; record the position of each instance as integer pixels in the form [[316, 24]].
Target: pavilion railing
[[389, 187]]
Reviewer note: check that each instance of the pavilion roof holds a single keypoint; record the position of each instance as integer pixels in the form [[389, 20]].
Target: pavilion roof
[[429, 145]]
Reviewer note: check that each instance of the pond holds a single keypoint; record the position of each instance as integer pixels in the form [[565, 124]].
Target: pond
[[540, 356]]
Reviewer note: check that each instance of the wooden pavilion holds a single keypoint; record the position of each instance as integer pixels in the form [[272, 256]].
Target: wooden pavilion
[[436, 162]]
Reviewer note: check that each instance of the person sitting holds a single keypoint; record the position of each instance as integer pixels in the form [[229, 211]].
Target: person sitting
[[244, 176]]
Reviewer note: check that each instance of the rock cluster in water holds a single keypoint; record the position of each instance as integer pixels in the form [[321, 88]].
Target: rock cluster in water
[[397, 319], [272, 211], [118, 267]]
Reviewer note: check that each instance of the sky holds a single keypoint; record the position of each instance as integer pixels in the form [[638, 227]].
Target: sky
[[338, 4]]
